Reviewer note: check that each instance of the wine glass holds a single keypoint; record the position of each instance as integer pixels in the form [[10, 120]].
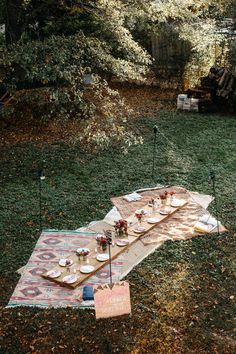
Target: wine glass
[[74, 270]]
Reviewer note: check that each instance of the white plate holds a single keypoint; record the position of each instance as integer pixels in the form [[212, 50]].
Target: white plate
[[82, 249], [53, 273], [122, 243], [165, 211], [62, 262], [102, 257], [70, 278], [153, 220], [139, 230], [177, 202], [141, 211], [87, 269]]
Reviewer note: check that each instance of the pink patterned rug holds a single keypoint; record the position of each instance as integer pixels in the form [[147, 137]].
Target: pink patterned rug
[[33, 290], [179, 226]]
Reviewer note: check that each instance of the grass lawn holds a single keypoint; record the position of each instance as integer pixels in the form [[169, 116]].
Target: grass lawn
[[188, 304]]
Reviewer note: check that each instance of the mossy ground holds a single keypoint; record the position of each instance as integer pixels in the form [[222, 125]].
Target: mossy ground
[[182, 295]]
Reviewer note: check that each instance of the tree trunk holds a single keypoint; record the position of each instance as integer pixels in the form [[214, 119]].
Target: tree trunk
[[13, 21]]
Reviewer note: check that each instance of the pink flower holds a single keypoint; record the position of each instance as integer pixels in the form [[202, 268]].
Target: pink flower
[[121, 225], [103, 241]]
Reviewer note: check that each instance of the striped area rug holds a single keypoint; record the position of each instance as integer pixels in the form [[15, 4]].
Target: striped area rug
[[33, 290]]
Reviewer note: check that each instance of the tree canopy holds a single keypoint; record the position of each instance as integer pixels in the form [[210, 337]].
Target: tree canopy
[[53, 44]]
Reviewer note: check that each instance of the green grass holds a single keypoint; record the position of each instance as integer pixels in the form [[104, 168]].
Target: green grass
[[196, 276]]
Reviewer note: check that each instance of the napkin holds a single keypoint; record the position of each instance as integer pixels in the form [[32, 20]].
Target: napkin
[[206, 224], [132, 197], [177, 202], [112, 216], [207, 219]]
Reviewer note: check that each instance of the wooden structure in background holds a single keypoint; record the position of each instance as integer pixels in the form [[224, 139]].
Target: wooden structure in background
[[170, 53]]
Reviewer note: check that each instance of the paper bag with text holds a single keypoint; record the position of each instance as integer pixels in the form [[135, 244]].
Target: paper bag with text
[[112, 300]]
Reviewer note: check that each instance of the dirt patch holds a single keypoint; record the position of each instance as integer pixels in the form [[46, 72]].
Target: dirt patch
[[147, 101], [144, 101]]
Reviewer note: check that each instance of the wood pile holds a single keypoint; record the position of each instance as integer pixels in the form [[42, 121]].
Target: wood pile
[[217, 91]]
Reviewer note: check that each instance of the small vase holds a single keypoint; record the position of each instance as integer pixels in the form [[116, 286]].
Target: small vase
[[163, 203], [153, 209], [140, 222], [168, 200], [121, 233]]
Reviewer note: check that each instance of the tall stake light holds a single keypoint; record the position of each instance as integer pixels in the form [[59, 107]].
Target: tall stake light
[[154, 151], [108, 235], [41, 178], [212, 182]]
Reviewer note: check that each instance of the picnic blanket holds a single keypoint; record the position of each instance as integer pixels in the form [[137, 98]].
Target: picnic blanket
[[33, 290], [179, 226]]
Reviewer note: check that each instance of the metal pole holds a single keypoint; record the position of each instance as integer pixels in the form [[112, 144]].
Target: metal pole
[[154, 151], [109, 249], [40, 204], [108, 235], [41, 178], [212, 181]]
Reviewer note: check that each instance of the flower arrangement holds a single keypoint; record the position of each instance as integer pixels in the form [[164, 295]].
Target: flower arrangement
[[83, 253], [121, 228], [164, 196], [103, 242], [139, 213]]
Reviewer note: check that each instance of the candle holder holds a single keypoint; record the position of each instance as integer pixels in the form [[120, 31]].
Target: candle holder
[[139, 213], [68, 264]]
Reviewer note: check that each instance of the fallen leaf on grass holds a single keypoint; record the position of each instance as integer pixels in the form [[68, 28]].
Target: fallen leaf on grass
[[222, 269]]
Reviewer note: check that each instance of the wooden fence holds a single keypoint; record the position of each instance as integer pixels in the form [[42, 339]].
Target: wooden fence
[[170, 53]]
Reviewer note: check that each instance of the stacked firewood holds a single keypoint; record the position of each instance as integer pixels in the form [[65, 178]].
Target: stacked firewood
[[217, 91], [222, 85]]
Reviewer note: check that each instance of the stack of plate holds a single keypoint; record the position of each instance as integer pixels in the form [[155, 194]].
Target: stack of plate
[[177, 202], [102, 257], [153, 220], [87, 269], [122, 243], [63, 262], [53, 273], [139, 229], [70, 279]]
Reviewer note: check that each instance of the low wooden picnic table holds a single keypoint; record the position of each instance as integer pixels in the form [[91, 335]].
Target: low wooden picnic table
[[133, 236]]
